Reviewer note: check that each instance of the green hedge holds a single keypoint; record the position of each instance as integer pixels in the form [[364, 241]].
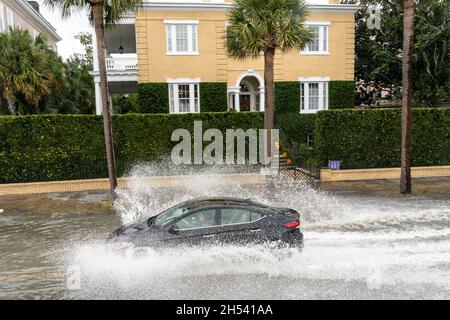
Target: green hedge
[[153, 97], [64, 147], [296, 126], [372, 138], [287, 96], [213, 97], [341, 94]]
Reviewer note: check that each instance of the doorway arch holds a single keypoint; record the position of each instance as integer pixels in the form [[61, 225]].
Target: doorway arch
[[248, 94]]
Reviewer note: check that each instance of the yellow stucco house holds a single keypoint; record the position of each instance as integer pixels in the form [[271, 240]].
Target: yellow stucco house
[[173, 53]]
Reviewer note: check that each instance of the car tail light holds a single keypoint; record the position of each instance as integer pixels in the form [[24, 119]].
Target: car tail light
[[292, 225]]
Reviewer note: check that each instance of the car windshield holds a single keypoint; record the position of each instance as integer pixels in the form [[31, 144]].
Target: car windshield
[[170, 214]]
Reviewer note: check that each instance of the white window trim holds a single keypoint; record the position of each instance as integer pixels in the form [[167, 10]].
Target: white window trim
[[184, 81], [320, 80], [2, 26], [318, 53], [181, 22], [169, 23], [9, 12], [314, 79]]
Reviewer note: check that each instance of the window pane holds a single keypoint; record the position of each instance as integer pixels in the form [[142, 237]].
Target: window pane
[[314, 46], [302, 96], [1, 18], [313, 102], [194, 37], [182, 38], [169, 38], [325, 38], [183, 98], [201, 219], [324, 95], [234, 215], [9, 18], [196, 98], [172, 98]]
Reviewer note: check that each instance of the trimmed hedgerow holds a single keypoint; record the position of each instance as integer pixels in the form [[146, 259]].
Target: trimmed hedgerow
[[65, 147], [341, 94], [296, 126], [287, 96], [153, 98], [213, 97], [372, 138]]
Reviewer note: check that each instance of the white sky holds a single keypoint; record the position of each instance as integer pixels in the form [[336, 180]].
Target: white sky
[[67, 29]]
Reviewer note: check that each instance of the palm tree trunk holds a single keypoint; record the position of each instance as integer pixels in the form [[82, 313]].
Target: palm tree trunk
[[408, 38], [269, 95], [97, 12]]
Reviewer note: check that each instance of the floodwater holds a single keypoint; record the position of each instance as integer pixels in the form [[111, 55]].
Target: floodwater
[[356, 247]]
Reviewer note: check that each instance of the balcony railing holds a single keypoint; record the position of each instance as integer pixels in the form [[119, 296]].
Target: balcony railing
[[122, 63]]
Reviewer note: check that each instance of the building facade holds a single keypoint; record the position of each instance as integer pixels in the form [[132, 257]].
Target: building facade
[[173, 52], [25, 14]]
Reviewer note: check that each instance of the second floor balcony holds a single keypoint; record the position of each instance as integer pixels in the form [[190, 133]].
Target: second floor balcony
[[121, 57], [119, 62]]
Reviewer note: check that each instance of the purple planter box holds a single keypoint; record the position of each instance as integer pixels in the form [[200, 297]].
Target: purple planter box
[[334, 164]]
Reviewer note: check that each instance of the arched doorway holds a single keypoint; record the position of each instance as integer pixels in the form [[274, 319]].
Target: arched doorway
[[249, 98], [248, 95]]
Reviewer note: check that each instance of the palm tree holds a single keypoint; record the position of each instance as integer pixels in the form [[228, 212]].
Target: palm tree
[[29, 71], [408, 42], [265, 26], [101, 12]]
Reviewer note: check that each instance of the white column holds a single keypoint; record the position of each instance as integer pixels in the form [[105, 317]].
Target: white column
[[237, 103], [262, 99], [98, 99]]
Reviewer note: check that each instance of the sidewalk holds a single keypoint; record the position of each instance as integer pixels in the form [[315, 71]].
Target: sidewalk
[[431, 187], [90, 202]]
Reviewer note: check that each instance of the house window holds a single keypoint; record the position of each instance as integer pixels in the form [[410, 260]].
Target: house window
[[319, 45], [314, 96], [184, 97], [182, 38], [9, 19], [2, 22], [310, 140]]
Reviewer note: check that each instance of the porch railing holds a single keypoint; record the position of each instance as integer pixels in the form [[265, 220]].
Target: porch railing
[[122, 63]]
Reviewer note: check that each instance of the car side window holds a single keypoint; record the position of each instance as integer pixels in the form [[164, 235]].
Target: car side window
[[238, 215], [200, 219]]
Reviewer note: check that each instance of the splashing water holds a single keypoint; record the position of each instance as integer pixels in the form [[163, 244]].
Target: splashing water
[[355, 247]]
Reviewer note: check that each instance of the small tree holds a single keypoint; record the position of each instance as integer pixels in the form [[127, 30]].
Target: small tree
[[262, 27], [101, 12]]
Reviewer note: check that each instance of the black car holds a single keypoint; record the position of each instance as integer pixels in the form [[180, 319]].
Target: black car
[[215, 220]]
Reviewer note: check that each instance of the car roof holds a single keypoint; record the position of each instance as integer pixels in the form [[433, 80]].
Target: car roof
[[218, 201]]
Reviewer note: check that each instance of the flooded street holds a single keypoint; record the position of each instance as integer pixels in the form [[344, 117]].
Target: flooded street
[[356, 247]]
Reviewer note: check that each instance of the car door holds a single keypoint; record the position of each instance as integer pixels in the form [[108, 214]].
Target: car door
[[240, 225], [194, 228]]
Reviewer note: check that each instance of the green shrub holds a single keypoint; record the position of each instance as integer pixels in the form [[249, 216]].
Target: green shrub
[[153, 97], [372, 138], [213, 97], [64, 147], [296, 126], [123, 104], [341, 94], [287, 96]]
